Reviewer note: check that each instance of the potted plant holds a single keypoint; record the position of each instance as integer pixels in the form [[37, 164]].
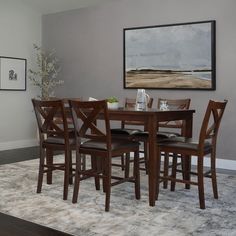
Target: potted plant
[[45, 76], [112, 103]]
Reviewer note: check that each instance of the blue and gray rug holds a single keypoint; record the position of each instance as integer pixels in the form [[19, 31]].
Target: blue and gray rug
[[175, 214]]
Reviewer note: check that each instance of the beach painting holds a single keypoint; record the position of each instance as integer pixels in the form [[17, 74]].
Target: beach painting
[[177, 56]]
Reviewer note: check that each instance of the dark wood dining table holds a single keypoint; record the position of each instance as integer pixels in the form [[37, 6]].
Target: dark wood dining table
[[151, 117]]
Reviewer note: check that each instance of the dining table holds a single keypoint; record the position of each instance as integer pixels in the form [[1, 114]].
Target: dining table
[[151, 117]]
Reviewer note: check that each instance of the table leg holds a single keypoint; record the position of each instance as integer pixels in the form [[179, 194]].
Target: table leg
[[187, 159], [153, 175]]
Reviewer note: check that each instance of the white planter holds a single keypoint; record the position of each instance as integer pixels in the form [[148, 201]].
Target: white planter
[[113, 105]]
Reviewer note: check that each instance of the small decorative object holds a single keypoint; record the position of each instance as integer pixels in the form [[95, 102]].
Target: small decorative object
[[46, 76], [13, 73], [141, 99], [92, 99], [173, 56], [164, 106], [112, 103]]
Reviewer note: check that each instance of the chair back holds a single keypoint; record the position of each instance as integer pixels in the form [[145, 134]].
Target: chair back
[[85, 114], [211, 122], [174, 104], [131, 103], [47, 113]]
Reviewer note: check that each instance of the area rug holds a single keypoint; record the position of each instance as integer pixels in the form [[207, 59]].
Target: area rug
[[176, 213]]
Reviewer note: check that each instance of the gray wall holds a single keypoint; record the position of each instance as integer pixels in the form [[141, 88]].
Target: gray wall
[[90, 45], [20, 27]]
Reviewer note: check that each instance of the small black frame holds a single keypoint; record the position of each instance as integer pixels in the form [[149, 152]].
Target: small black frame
[[13, 72]]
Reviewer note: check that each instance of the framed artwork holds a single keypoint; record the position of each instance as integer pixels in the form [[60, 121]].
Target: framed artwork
[[12, 73], [174, 56]]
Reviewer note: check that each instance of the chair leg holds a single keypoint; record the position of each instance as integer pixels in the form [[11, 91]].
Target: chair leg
[[70, 169], [201, 182], [182, 166], [49, 161], [145, 147], [83, 164], [127, 164], [41, 168], [158, 166], [173, 175], [123, 162], [108, 182], [95, 164], [136, 174], [213, 174], [66, 174], [166, 169], [77, 178]]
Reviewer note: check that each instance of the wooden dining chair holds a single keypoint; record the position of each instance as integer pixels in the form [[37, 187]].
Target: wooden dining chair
[[167, 129], [101, 147], [187, 147], [126, 131], [170, 129], [53, 136]]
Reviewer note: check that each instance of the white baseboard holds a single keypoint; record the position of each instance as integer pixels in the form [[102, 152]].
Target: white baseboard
[[220, 163], [18, 144]]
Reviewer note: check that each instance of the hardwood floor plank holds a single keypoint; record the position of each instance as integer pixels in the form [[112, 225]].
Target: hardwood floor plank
[[12, 226]]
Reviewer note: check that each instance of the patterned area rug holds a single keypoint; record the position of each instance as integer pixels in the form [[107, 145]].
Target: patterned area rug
[[176, 213]]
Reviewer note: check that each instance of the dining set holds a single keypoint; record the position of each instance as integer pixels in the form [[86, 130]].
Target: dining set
[[86, 128]]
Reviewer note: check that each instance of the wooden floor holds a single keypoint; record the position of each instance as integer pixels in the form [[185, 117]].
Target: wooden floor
[[17, 155], [12, 226]]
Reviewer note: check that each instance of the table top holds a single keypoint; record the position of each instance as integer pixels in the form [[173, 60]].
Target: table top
[[133, 114]]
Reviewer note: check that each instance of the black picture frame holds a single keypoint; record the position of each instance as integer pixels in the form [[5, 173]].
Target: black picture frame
[[13, 72], [173, 56]]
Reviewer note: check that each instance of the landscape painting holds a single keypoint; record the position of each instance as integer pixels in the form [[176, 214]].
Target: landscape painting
[[177, 56]]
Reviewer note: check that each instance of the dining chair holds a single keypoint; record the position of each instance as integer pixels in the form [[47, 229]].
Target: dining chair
[[167, 129], [126, 132], [101, 147], [53, 136], [187, 147]]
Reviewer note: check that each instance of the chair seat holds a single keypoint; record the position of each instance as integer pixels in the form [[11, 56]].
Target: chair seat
[[115, 144], [58, 140], [161, 136], [120, 131], [186, 143]]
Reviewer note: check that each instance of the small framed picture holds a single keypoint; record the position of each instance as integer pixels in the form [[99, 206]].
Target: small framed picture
[[12, 73]]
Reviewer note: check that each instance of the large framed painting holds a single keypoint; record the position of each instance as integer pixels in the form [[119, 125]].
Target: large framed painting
[[174, 56], [12, 73]]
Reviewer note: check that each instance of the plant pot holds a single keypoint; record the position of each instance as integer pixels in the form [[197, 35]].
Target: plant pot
[[113, 105]]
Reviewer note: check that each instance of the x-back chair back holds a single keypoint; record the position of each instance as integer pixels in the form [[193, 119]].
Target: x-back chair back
[[47, 113], [174, 104], [211, 122], [88, 113]]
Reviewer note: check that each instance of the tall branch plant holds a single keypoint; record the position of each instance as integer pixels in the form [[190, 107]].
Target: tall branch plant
[[45, 76]]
